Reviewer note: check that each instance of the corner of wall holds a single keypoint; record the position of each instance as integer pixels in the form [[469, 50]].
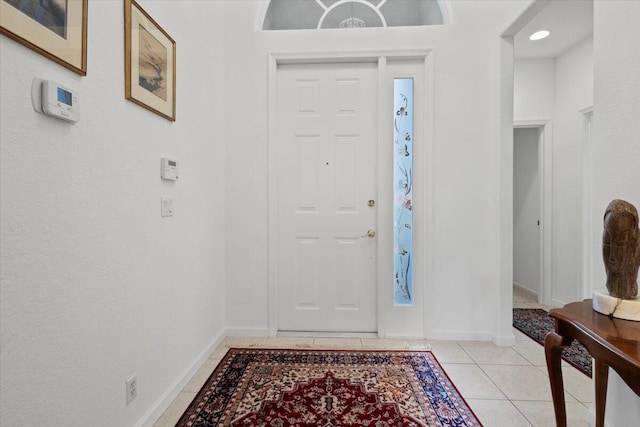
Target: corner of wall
[[165, 400]]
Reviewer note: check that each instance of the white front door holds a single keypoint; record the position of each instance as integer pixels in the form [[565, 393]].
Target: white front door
[[326, 162]]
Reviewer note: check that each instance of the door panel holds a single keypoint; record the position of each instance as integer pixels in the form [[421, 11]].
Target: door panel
[[326, 175]]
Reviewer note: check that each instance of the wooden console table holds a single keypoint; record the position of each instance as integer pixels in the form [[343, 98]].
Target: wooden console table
[[611, 342]]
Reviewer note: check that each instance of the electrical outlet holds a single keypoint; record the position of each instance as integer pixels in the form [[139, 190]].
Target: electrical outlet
[[132, 388]]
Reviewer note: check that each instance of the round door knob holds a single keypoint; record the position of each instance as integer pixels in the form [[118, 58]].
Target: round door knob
[[370, 233]]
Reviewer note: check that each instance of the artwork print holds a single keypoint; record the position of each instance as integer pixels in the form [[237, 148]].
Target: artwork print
[[51, 14], [152, 65], [55, 29]]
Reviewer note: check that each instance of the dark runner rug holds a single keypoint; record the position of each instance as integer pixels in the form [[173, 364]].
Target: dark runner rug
[[536, 324], [264, 387]]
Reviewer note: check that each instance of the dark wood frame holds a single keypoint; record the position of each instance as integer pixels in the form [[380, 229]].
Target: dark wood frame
[[48, 51], [612, 343], [128, 52]]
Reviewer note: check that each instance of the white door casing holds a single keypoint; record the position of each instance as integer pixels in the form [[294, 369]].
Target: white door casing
[[390, 321], [327, 174], [586, 239]]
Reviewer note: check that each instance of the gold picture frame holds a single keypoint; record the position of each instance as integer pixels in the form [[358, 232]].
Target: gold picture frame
[[150, 62], [56, 29]]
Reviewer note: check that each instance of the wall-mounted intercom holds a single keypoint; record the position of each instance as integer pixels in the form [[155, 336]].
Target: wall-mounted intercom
[[55, 100], [168, 169]]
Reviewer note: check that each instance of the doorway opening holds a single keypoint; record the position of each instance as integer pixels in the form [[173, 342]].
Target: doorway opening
[[528, 224]]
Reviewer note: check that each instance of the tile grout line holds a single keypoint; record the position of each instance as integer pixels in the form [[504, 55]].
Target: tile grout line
[[496, 385], [483, 371]]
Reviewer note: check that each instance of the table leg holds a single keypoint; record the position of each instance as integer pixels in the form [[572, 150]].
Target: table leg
[[601, 376], [553, 344]]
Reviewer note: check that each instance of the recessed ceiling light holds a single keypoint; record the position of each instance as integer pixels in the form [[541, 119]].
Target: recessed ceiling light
[[539, 35]]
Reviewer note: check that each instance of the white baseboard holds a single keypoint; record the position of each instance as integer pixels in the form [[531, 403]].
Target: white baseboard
[[504, 340], [313, 334], [556, 303], [247, 332], [161, 405], [526, 290], [393, 336]]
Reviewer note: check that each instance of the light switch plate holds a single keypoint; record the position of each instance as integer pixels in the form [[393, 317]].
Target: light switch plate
[[166, 206]]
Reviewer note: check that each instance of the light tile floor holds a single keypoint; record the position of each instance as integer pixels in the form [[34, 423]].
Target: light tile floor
[[505, 387]]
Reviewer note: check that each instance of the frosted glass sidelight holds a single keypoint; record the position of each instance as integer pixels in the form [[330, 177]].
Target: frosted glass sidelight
[[403, 191]]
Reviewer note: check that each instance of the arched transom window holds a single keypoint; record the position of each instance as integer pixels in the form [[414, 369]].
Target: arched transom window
[[321, 14]]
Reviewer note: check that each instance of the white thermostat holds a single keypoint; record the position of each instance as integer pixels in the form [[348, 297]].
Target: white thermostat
[[55, 100], [168, 169]]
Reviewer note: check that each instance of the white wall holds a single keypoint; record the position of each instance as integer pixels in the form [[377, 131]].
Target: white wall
[[526, 209], [95, 285], [574, 92], [558, 89], [616, 149], [534, 89], [465, 258]]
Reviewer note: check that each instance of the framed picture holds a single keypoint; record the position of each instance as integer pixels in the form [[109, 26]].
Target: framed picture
[[150, 62], [56, 29]]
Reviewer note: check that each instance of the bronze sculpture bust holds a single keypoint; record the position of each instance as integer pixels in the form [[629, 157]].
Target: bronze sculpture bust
[[621, 249]]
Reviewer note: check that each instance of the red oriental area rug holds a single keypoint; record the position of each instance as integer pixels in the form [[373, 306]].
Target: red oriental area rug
[[328, 388]]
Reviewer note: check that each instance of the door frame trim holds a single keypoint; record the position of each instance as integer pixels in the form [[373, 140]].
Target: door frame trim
[[379, 57], [545, 163], [584, 206]]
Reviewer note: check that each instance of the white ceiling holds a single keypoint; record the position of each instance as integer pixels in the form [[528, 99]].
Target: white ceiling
[[570, 21]]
